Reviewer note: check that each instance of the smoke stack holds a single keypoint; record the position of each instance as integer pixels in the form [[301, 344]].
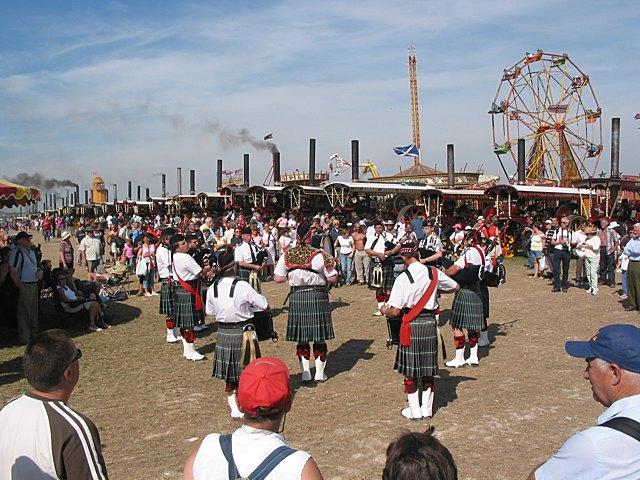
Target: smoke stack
[[276, 167], [615, 147], [246, 169], [146, 191], [77, 194], [219, 175], [164, 185], [50, 201], [192, 182], [86, 196], [115, 193], [129, 194], [55, 202], [451, 166], [355, 160], [312, 161], [521, 161], [138, 192], [179, 181]]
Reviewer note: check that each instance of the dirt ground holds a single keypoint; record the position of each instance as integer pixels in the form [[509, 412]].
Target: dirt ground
[[499, 420]]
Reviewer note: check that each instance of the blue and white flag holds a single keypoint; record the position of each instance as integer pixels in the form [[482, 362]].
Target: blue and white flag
[[408, 151]]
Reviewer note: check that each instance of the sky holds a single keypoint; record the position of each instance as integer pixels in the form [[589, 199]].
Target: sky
[[132, 89]]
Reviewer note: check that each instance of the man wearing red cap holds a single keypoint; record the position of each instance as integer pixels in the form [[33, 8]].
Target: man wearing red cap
[[610, 450], [256, 449], [415, 297], [309, 271]]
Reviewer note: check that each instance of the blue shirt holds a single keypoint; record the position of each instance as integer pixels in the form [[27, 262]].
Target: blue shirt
[[416, 226], [599, 452], [632, 249]]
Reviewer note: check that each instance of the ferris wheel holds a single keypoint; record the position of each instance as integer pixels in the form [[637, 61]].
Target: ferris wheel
[[547, 100]]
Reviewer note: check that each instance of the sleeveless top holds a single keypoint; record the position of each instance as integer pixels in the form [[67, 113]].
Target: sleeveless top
[[250, 447]]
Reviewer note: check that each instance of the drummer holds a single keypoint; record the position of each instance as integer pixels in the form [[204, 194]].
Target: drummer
[[417, 355], [233, 302]]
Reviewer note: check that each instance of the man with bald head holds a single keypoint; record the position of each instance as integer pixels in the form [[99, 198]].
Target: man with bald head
[[610, 450]]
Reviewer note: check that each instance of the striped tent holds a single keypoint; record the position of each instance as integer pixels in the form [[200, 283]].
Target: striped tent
[[13, 195]]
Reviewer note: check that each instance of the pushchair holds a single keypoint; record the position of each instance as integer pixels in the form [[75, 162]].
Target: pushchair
[[115, 281]]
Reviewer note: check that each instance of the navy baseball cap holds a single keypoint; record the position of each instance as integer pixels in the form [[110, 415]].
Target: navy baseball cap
[[619, 344]]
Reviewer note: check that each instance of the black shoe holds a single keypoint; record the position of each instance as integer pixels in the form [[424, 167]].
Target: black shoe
[[555, 289], [565, 290], [629, 309]]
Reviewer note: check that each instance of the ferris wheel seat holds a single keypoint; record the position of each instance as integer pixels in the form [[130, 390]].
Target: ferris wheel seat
[[501, 149]]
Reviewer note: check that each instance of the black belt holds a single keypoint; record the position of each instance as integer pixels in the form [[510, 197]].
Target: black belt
[[422, 312], [309, 287], [231, 326]]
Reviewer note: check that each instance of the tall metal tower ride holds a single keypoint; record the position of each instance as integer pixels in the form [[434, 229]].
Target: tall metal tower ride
[[413, 89]]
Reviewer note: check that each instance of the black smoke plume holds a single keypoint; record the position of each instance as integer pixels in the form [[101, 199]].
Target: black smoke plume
[[230, 139], [37, 180]]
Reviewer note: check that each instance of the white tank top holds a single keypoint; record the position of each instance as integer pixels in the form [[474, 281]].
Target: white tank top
[[250, 446]]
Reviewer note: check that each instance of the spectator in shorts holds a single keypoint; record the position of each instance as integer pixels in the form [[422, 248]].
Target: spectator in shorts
[[264, 396], [90, 250], [419, 456]]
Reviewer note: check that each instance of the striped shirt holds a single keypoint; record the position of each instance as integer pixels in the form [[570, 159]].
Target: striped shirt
[[45, 439]]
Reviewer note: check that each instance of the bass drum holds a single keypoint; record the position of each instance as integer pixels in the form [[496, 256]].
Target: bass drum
[[263, 323]]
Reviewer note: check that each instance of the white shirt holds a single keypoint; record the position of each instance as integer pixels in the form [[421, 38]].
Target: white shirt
[[163, 261], [407, 294], [567, 234], [346, 245], [472, 256], [299, 277], [91, 246], [185, 267], [371, 232], [432, 242], [241, 307], [250, 447], [456, 237], [379, 246], [598, 452], [284, 242], [243, 253]]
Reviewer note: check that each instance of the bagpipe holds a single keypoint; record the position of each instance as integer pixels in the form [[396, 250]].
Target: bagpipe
[[444, 262]]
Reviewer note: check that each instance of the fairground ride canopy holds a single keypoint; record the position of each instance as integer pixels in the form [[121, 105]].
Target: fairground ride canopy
[[13, 195]]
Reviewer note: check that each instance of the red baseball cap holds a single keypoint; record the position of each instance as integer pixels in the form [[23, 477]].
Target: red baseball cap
[[264, 387]]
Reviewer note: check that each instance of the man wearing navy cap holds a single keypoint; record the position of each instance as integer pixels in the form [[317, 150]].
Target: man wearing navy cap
[[610, 450]]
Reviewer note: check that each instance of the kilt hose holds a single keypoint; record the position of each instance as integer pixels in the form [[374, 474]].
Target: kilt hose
[[388, 276], [484, 295], [226, 365], [184, 308], [420, 359], [166, 299], [466, 312], [309, 315]]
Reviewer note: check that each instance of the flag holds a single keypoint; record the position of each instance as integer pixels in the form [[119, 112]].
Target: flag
[[237, 172], [408, 151], [637, 117], [268, 136]]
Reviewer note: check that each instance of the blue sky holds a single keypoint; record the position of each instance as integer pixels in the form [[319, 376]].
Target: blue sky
[[127, 88]]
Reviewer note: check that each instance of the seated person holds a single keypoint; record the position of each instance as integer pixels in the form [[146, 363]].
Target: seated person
[[73, 302]]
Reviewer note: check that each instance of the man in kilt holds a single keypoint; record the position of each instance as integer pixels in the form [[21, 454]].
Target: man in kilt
[[467, 312], [202, 255], [246, 254], [163, 261], [187, 299], [415, 297], [233, 302], [309, 271], [380, 248]]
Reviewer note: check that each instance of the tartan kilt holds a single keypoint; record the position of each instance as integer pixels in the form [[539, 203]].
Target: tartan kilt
[[466, 312], [388, 274], [420, 359], [243, 273], [484, 294], [184, 308], [166, 299], [226, 365], [309, 316]]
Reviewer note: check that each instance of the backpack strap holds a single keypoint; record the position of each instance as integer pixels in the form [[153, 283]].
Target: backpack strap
[[625, 425], [225, 445], [409, 276], [272, 461]]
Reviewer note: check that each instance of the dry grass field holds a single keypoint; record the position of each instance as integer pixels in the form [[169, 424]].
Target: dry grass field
[[499, 419]]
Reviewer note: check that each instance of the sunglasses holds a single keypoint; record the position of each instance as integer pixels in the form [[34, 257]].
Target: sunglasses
[[75, 358]]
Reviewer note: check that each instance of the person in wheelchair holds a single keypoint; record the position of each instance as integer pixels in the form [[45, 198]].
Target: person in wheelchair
[[73, 301]]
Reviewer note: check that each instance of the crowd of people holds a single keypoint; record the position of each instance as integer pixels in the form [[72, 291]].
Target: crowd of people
[[215, 265]]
